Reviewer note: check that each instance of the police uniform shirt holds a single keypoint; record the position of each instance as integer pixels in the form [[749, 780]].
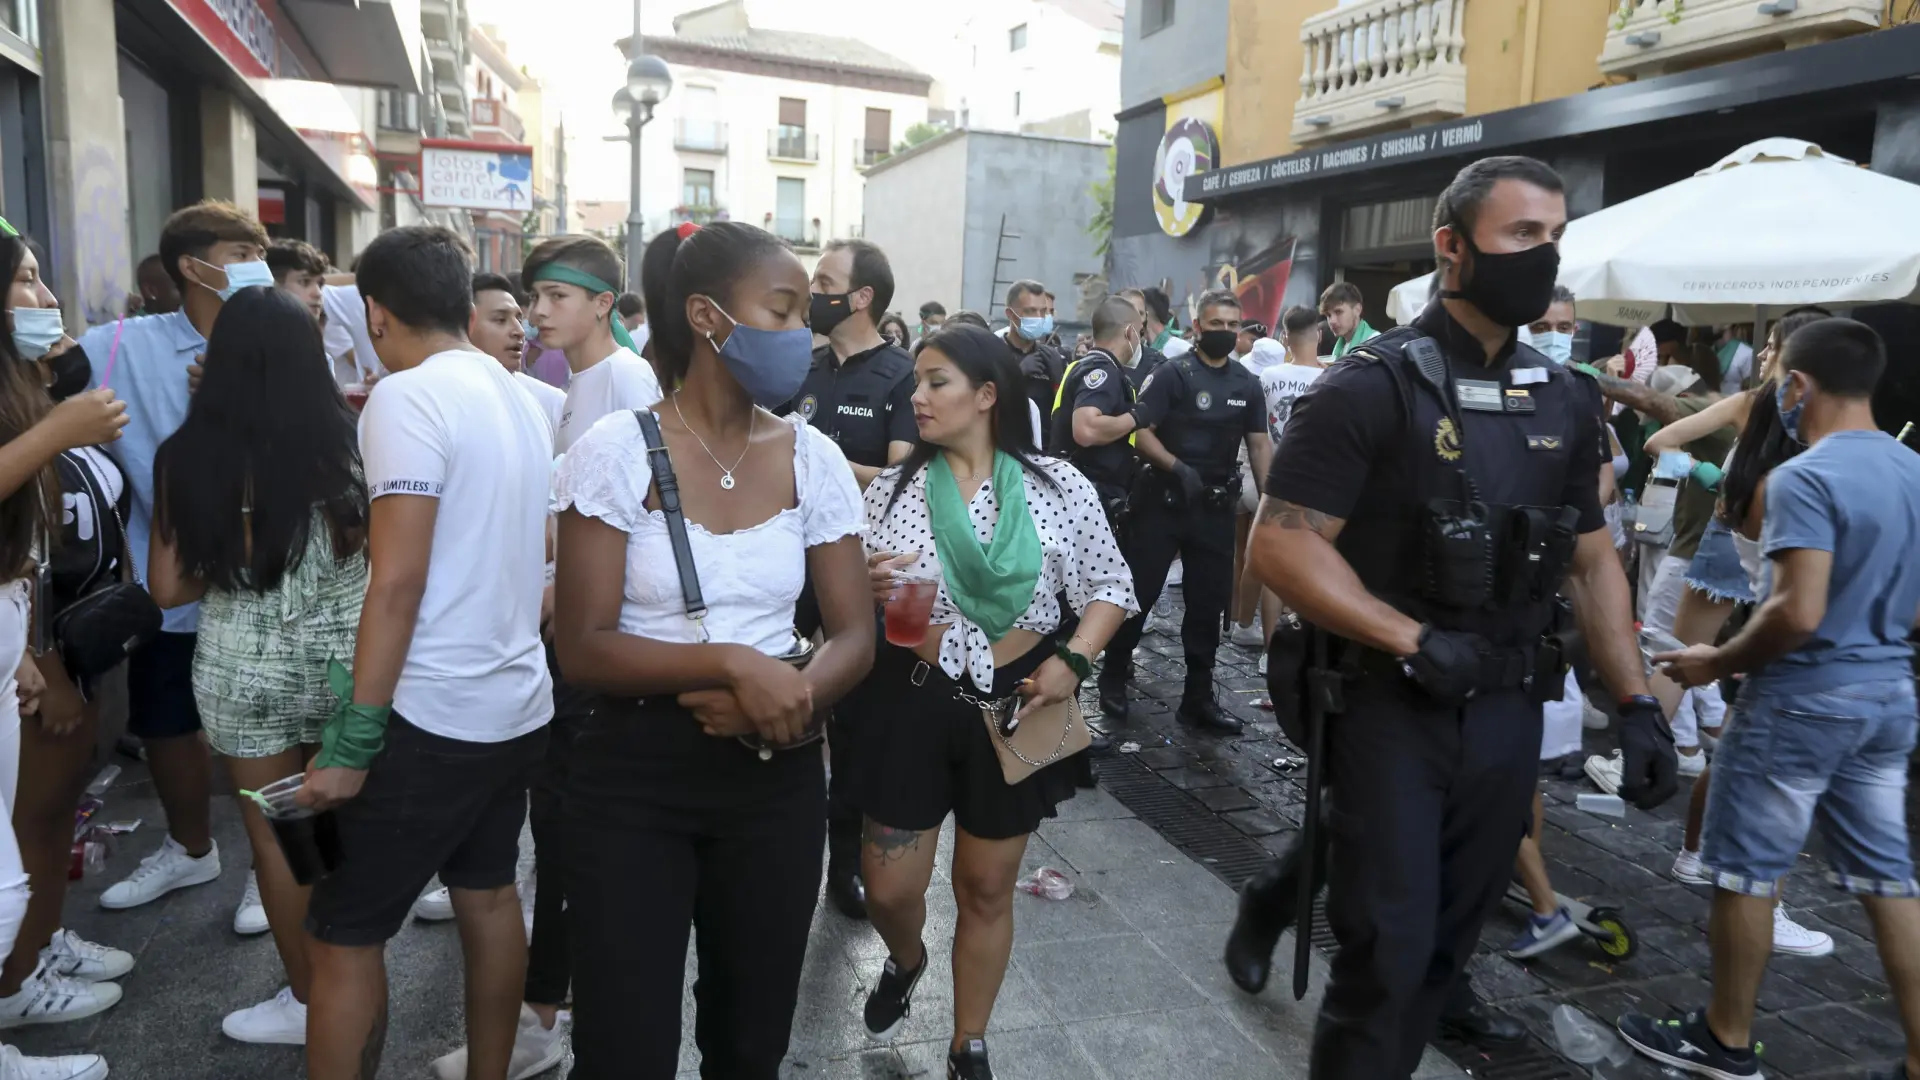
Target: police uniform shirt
[[1143, 366], [1348, 452], [1042, 368], [1095, 381], [863, 403], [1202, 414]]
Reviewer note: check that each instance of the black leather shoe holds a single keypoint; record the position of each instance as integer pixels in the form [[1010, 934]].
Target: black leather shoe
[[848, 894], [1250, 946], [845, 891], [1205, 714], [1113, 702], [1483, 1026], [1099, 743]]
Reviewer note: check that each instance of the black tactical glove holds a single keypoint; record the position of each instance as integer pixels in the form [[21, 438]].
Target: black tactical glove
[[1650, 768], [1190, 484], [1447, 666]]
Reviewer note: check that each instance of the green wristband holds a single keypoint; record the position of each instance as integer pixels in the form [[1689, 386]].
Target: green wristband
[[1082, 667], [1707, 475], [354, 735], [1589, 369]]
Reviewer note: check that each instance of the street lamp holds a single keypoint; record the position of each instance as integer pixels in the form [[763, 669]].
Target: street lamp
[[648, 84]]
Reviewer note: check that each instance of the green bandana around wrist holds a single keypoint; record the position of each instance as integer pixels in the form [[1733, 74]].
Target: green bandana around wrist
[[353, 735], [991, 584], [568, 275]]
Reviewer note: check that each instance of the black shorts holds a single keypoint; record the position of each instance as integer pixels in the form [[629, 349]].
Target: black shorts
[[430, 805], [160, 701], [925, 753]]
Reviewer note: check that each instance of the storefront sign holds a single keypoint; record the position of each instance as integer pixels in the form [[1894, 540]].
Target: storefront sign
[[1400, 147], [476, 176], [240, 30]]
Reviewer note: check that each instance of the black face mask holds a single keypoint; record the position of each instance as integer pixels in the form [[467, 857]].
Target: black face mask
[[71, 370], [1220, 344], [1512, 289], [827, 311]]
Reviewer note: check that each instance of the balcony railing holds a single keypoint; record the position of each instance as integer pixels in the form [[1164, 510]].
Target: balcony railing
[[493, 113], [792, 144], [866, 156], [703, 136], [1381, 64], [797, 231], [1650, 37]]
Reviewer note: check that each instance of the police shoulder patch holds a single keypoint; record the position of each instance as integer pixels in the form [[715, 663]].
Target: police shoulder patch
[[1096, 378], [808, 406]]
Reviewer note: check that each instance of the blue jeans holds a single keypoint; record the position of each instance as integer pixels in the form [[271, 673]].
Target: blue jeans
[[1838, 757], [1716, 569]]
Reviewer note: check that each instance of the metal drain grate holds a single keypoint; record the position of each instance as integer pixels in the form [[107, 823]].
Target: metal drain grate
[[1187, 824], [1183, 820]]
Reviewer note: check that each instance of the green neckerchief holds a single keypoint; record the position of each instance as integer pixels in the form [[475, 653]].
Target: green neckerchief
[[991, 584], [568, 275], [1361, 332], [1160, 339]]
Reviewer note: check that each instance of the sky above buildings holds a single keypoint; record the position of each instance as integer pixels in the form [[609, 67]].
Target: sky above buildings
[[568, 46]]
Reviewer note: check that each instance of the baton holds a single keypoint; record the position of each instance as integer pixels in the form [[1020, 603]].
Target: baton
[[1319, 692]]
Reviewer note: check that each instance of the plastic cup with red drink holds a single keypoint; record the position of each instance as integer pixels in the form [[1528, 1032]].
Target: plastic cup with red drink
[[356, 394], [909, 607]]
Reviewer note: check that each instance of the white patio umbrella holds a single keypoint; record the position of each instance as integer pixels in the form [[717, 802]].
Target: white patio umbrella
[[1409, 298], [1773, 225]]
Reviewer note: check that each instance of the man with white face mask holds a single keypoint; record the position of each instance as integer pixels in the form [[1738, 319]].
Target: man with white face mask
[[211, 250], [1553, 332]]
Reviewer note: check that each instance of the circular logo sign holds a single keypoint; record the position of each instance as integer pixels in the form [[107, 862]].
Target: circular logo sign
[[807, 406], [1096, 378], [1203, 399], [1188, 147]]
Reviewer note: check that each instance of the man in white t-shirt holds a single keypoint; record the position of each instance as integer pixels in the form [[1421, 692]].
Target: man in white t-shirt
[[496, 330], [345, 335], [571, 280], [425, 768], [1282, 384]]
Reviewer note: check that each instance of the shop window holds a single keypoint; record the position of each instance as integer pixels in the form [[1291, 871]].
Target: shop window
[[1017, 38], [1155, 15]]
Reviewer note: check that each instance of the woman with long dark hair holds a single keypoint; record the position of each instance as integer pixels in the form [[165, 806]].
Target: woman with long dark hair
[[1012, 532], [260, 513], [894, 329], [671, 821], [52, 973]]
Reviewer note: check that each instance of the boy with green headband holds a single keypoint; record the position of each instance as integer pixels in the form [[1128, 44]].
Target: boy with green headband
[[574, 282]]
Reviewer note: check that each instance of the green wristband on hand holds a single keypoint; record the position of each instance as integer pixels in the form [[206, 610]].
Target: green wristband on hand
[[1707, 475], [354, 735], [1589, 369]]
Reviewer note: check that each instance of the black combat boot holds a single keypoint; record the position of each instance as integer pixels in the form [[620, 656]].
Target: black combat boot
[[1197, 707]]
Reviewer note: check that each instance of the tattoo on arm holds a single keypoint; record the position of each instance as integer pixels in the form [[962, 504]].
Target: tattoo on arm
[[1293, 516], [890, 843], [1634, 395]]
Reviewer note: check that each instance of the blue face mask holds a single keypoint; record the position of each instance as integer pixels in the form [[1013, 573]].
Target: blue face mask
[[1557, 346], [769, 365], [1789, 418], [1035, 327], [36, 331], [532, 331], [241, 275]]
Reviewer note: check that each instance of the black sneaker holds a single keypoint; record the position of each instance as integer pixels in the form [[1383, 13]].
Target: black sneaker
[[891, 1001], [969, 1064], [1689, 1045]]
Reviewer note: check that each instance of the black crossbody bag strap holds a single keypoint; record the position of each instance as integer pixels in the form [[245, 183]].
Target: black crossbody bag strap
[[664, 481]]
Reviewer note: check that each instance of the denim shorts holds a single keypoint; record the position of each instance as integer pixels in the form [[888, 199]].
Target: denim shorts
[[1838, 757], [1716, 569]]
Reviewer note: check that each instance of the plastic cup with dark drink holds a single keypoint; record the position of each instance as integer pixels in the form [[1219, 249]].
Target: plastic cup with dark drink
[[910, 605], [357, 394], [309, 839]]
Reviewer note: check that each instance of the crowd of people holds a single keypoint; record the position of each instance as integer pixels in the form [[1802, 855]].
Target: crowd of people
[[772, 574]]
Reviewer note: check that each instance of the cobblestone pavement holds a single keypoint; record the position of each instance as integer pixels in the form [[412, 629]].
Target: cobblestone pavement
[[1823, 1018]]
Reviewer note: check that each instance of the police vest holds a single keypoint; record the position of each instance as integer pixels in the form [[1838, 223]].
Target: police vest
[[1508, 470], [1206, 424], [848, 401], [1109, 465]]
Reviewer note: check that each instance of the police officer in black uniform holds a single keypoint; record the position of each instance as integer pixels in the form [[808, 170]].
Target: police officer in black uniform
[[1094, 414], [1432, 494], [1194, 413], [859, 393], [1029, 325], [1149, 357]]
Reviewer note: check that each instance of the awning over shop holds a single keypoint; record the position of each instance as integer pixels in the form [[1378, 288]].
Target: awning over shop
[[363, 42], [320, 122]]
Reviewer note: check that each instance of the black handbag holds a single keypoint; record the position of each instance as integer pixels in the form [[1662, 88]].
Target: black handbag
[[107, 622], [669, 487]]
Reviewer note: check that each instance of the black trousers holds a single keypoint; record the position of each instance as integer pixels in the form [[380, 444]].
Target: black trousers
[[1202, 539], [670, 831], [844, 814], [1426, 820], [549, 960]]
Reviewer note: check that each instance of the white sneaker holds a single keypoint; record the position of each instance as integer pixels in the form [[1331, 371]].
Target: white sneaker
[[46, 998], [1605, 772], [280, 1020], [434, 905], [250, 917], [536, 1048], [160, 873], [1154, 623], [1795, 940], [1687, 868], [1263, 664], [15, 1065], [75, 957], [1591, 717], [1692, 764], [1248, 637]]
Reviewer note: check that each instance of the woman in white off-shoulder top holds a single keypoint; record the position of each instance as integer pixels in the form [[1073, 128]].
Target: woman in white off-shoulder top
[[1013, 532], [670, 821]]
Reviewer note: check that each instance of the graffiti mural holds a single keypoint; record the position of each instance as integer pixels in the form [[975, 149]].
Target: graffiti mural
[[1266, 254], [101, 261]]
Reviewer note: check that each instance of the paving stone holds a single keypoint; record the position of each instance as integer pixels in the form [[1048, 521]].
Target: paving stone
[[1257, 822], [1199, 1042], [1788, 1051], [1167, 757], [1114, 976], [1049, 1053], [1223, 800], [1190, 779], [1164, 893], [1106, 845], [1848, 1030]]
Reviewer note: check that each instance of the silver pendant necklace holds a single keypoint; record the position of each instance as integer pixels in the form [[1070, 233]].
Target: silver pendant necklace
[[726, 474]]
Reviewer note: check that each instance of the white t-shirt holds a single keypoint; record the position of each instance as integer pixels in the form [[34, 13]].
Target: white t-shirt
[[620, 383], [1176, 347], [459, 429], [1738, 371], [551, 399], [1283, 384], [347, 332], [750, 578]]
